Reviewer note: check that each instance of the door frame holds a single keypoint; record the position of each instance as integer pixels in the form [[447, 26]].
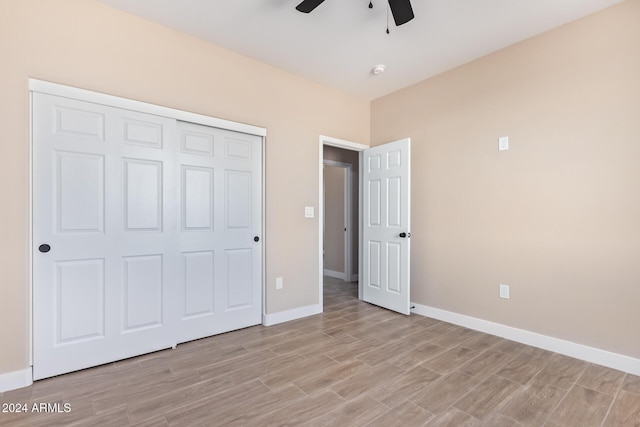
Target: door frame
[[351, 146], [41, 86]]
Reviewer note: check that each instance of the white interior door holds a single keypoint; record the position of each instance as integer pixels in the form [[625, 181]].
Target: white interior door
[[386, 225], [143, 233], [220, 230]]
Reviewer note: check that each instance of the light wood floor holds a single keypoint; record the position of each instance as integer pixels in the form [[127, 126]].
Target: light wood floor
[[353, 365]]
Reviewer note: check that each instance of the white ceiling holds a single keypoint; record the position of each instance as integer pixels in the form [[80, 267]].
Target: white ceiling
[[339, 42]]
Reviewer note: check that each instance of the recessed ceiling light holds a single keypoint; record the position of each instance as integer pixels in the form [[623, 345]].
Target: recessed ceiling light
[[378, 69]]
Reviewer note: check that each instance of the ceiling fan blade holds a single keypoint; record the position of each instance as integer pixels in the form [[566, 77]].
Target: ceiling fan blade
[[308, 5], [401, 11]]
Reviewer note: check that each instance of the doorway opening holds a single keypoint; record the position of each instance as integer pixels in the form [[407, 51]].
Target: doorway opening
[[339, 211], [340, 239]]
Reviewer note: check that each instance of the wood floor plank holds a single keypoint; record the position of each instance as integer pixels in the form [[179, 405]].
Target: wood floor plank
[[297, 371], [115, 418], [561, 371], [509, 347], [455, 337], [265, 343], [625, 410], [365, 380], [602, 379], [631, 383], [385, 352], [454, 418], [499, 420], [486, 364], [388, 330], [247, 412], [405, 386], [301, 411], [416, 355], [481, 342], [157, 421], [85, 383], [200, 407], [536, 351], [444, 392], [296, 344], [329, 376], [356, 413], [420, 334], [404, 415], [226, 365], [369, 314], [487, 396], [270, 365], [14, 396], [147, 388], [353, 350], [243, 336], [532, 404], [581, 407], [200, 359], [450, 360], [523, 367]]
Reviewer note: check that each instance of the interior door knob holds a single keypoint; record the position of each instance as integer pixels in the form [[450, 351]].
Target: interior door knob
[[44, 248], [403, 234], [256, 239]]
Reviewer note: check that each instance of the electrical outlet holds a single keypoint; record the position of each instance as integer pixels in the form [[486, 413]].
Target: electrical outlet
[[308, 212], [278, 282], [504, 291]]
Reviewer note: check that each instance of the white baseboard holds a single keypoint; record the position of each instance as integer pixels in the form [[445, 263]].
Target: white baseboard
[[568, 348], [293, 314], [14, 380], [337, 274]]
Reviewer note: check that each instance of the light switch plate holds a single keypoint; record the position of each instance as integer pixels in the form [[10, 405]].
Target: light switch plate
[[503, 143], [308, 212], [504, 291]]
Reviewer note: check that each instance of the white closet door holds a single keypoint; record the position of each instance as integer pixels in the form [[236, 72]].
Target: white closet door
[[146, 233], [220, 230], [102, 195]]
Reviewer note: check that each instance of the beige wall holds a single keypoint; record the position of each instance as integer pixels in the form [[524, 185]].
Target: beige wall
[[557, 217], [334, 219], [350, 157], [85, 44]]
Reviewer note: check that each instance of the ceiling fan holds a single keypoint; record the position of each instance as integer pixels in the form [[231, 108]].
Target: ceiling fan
[[400, 9]]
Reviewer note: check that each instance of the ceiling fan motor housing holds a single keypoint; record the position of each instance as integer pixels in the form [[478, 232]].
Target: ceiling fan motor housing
[[400, 9]]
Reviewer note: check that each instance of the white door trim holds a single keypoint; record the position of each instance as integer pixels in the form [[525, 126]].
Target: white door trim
[[347, 145], [143, 107]]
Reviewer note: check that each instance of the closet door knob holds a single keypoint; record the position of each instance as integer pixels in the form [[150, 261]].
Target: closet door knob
[[256, 239], [44, 248]]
